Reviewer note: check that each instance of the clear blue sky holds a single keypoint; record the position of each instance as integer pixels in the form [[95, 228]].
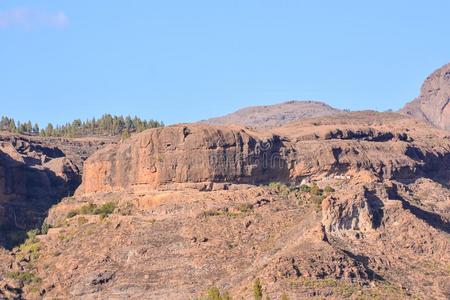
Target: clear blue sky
[[180, 61]]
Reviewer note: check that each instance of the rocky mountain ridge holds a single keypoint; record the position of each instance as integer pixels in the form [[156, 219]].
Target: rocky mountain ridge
[[351, 206], [314, 204], [433, 103], [274, 115]]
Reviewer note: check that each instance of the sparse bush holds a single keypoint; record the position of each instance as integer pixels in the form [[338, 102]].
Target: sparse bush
[[72, 214], [25, 277], [245, 207], [212, 213], [92, 209], [45, 227], [257, 290], [280, 188], [30, 247], [305, 188], [214, 293], [328, 190], [87, 209], [105, 210], [315, 190]]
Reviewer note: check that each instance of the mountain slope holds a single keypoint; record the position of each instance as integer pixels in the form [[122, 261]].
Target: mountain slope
[[349, 206], [433, 103], [274, 115]]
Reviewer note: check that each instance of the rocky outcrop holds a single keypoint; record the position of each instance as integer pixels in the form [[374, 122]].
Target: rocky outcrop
[[33, 177], [187, 153], [433, 104], [202, 153], [275, 115]]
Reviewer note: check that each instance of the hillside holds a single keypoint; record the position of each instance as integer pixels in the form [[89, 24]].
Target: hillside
[[274, 115], [355, 205]]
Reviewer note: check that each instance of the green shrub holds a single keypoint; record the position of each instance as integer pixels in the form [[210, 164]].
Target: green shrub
[[280, 188], [315, 190], [45, 227], [87, 209], [92, 209], [25, 277], [305, 188], [105, 210], [72, 214], [257, 290], [30, 247], [215, 294]]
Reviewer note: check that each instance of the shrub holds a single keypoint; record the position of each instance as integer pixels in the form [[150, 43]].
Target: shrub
[[92, 209], [105, 210], [280, 188], [257, 290], [87, 209], [45, 227], [31, 246], [215, 294], [245, 207], [305, 188], [25, 277], [328, 189], [72, 214], [315, 190]]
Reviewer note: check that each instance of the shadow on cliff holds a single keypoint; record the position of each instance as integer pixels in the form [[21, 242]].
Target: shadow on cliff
[[433, 219], [27, 194], [433, 166]]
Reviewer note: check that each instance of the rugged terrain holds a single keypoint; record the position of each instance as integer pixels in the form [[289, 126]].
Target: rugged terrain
[[354, 205], [291, 201], [36, 173], [274, 115], [433, 104]]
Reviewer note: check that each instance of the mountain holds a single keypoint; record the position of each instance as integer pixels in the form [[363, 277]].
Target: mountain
[[433, 103], [275, 115], [350, 205]]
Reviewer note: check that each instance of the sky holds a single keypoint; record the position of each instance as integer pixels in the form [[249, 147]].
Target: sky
[[184, 61]]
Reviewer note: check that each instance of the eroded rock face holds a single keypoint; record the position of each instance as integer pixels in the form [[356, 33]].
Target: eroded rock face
[[388, 146], [166, 214], [191, 153], [32, 178], [433, 104]]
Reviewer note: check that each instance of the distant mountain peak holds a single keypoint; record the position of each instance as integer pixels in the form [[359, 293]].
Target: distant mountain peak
[[276, 114], [433, 103]]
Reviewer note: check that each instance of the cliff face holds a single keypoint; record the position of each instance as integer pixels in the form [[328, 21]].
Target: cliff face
[[433, 104], [180, 154], [34, 175], [353, 205], [382, 144]]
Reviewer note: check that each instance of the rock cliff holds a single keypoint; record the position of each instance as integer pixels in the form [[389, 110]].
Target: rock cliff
[[433, 104]]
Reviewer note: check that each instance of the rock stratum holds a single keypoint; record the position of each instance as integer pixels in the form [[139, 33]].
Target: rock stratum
[[386, 144], [433, 104], [353, 205]]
